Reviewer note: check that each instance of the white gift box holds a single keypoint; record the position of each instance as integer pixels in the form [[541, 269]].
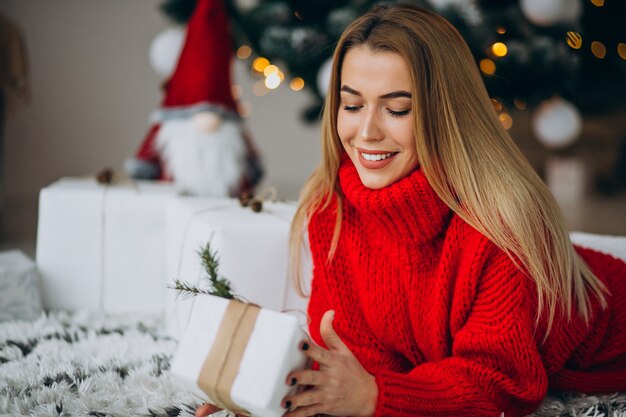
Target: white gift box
[[612, 245], [102, 247], [252, 248], [259, 357]]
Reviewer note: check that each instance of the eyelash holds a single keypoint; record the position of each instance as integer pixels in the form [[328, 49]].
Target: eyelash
[[353, 109]]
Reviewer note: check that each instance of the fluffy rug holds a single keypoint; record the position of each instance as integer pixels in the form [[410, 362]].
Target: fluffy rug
[[91, 364]]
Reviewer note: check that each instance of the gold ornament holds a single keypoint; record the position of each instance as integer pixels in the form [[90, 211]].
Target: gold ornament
[[621, 50], [574, 40], [598, 49]]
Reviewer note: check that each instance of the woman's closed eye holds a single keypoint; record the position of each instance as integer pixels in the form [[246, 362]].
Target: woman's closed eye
[[394, 113], [398, 113]]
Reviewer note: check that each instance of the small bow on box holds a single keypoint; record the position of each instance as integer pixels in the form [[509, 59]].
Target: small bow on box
[[248, 199]]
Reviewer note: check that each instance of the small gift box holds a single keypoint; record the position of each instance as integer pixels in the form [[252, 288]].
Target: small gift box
[[103, 246], [238, 355], [253, 252]]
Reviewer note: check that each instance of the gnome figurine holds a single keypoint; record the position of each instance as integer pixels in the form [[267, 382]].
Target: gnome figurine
[[197, 138]]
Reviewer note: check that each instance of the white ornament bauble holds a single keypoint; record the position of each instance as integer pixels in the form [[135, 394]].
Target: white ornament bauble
[[544, 12], [441, 4], [246, 5], [573, 11], [557, 123], [165, 50], [323, 76]]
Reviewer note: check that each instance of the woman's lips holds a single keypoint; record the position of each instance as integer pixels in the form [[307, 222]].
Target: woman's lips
[[375, 164]]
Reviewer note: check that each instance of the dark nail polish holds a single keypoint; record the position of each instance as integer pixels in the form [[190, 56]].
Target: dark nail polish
[[287, 404], [305, 346], [293, 381]]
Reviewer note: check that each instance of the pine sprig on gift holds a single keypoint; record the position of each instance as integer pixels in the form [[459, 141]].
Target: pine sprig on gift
[[218, 286], [185, 289], [210, 263]]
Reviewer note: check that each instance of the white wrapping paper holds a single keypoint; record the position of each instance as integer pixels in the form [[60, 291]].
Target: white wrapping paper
[[252, 249], [270, 355], [103, 247]]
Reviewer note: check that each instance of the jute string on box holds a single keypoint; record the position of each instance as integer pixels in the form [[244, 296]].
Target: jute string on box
[[232, 203], [106, 178], [221, 365]]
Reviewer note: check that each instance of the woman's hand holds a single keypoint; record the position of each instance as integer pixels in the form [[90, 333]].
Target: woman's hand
[[341, 387], [207, 409]]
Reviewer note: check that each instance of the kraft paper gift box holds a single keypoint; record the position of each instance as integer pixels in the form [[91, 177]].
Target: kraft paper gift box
[[238, 356], [252, 248], [103, 247]]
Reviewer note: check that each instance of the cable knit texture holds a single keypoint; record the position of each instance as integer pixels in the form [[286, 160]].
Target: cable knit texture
[[442, 318]]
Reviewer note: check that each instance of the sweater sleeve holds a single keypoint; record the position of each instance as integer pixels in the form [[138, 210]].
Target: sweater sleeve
[[495, 366]]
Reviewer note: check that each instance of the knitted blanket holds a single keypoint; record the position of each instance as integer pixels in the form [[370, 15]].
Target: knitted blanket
[[94, 364]]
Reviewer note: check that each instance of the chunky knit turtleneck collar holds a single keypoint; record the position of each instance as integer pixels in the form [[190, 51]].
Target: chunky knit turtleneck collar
[[409, 209]]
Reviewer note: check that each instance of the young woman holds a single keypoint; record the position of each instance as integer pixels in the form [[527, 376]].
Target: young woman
[[444, 282]]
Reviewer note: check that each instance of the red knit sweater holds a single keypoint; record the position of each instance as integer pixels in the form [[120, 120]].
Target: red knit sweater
[[442, 317]]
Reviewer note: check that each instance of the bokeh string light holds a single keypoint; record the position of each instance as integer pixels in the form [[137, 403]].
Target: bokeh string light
[[487, 66], [499, 49]]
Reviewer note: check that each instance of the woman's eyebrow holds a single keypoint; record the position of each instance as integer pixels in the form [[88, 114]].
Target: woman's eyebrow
[[393, 94]]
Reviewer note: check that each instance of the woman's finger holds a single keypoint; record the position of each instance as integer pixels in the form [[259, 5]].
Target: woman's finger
[[317, 353], [309, 410], [206, 409], [302, 399], [330, 337], [305, 377]]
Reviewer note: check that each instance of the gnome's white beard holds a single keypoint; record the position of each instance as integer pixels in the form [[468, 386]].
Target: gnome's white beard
[[203, 163]]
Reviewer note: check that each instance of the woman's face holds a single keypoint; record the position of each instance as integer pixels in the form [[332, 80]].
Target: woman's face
[[375, 116]]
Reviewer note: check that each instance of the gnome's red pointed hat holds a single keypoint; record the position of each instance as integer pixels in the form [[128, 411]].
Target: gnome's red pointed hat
[[201, 80]]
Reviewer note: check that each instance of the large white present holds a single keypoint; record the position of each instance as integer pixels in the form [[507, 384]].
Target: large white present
[[102, 246], [612, 245], [253, 251], [238, 356]]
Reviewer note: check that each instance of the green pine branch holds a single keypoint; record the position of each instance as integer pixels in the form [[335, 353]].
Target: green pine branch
[[187, 290], [218, 286], [210, 262]]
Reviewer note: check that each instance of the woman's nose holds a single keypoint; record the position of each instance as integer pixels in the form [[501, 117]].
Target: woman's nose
[[370, 126]]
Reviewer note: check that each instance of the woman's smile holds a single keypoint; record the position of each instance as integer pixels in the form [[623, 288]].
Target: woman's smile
[[375, 159]]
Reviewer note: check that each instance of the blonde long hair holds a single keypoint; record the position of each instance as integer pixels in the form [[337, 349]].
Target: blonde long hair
[[467, 156]]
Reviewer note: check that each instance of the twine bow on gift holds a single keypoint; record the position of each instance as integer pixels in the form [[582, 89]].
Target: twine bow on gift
[[221, 365], [107, 178], [248, 199]]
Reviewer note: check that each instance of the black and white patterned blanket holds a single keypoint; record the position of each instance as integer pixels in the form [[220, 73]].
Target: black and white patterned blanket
[[91, 364]]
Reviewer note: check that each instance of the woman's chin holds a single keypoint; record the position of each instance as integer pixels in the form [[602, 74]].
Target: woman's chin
[[375, 181]]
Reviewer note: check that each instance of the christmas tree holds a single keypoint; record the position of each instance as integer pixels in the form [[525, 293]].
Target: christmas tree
[[527, 50]]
